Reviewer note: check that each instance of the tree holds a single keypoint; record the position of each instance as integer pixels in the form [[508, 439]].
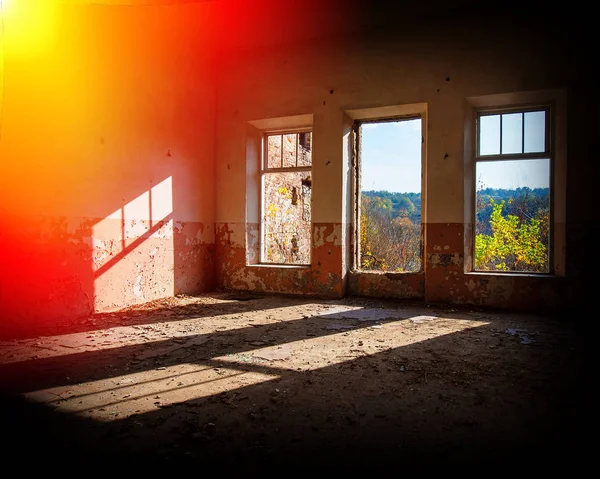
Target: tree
[[515, 244], [387, 242]]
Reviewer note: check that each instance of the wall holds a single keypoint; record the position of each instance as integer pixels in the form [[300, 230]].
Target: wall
[[107, 194], [439, 60], [113, 132]]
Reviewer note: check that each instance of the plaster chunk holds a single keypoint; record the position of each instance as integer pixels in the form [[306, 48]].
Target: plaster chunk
[[165, 231], [231, 234], [444, 260], [135, 229], [319, 235], [364, 314], [206, 233], [248, 278], [336, 236], [253, 238], [274, 354], [137, 287]]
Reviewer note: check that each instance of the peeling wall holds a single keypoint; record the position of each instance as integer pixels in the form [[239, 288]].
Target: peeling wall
[[107, 178], [323, 278], [439, 60], [65, 267], [124, 172]]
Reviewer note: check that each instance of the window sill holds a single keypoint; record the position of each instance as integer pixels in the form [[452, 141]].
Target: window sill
[[279, 266], [384, 273], [511, 274]]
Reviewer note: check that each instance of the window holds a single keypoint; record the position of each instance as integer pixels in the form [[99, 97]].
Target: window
[[286, 187], [389, 179], [513, 213]]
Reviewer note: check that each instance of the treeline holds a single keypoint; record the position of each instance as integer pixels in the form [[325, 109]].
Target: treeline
[[397, 205], [511, 230], [408, 205], [390, 231], [523, 203]]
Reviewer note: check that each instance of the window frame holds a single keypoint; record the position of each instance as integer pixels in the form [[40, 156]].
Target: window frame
[[554, 103], [266, 170], [357, 174]]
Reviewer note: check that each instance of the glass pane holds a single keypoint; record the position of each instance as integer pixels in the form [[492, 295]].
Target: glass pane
[[512, 216], [289, 150], [512, 133], [535, 132], [274, 151], [390, 200], [287, 217], [489, 135], [304, 149]]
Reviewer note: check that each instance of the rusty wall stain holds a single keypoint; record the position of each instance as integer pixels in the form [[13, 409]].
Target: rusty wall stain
[[65, 268], [238, 268], [387, 285], [194, 258], [447, 281], [443, 280]]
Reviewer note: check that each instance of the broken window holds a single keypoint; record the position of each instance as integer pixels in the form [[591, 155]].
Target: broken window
[[286, 198], [513, 163], [388, 201]]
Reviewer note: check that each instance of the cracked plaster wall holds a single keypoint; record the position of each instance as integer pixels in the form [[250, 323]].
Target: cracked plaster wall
[[440, 63], [107, 193]]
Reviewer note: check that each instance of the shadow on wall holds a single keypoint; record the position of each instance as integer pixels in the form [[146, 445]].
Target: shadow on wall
[[57, 268], [101, 196]]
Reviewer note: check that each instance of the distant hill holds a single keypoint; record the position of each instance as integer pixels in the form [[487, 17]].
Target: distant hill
[[406, 205], [526, 202]]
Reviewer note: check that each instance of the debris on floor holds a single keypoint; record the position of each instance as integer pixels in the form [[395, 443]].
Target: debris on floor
[[523, 335]]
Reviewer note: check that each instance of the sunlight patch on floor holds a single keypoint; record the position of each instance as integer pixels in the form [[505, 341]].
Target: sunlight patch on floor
[[350, 343], [144, 392], [146, 334], [347, 339]]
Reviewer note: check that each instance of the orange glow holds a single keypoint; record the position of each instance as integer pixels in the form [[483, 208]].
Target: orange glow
[[95, 112], [137, 228], [30, 26]]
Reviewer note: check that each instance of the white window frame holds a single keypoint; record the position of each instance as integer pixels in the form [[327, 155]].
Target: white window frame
[[255, 131], [266, 170], [554, 103]]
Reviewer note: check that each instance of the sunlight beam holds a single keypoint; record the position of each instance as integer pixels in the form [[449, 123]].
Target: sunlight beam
[[122, 396], [144, 392]]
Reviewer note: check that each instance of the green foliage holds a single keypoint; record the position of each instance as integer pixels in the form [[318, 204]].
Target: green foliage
[[399, 204], [515, 244], [525, 203], [388, 242], [512, 228]]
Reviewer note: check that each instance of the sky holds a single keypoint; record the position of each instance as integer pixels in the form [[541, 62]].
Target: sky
[[391, 154]]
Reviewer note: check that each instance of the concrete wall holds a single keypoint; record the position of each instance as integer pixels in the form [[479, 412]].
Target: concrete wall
[[126, 144], [107, 138], [439, 60]]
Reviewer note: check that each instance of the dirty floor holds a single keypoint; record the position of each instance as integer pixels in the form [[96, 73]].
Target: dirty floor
[[251, 383]]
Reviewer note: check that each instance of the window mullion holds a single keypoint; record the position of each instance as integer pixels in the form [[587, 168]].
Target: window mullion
[[501, 121], [281, 151], [514, 182], [285, 228], [522, 132]]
